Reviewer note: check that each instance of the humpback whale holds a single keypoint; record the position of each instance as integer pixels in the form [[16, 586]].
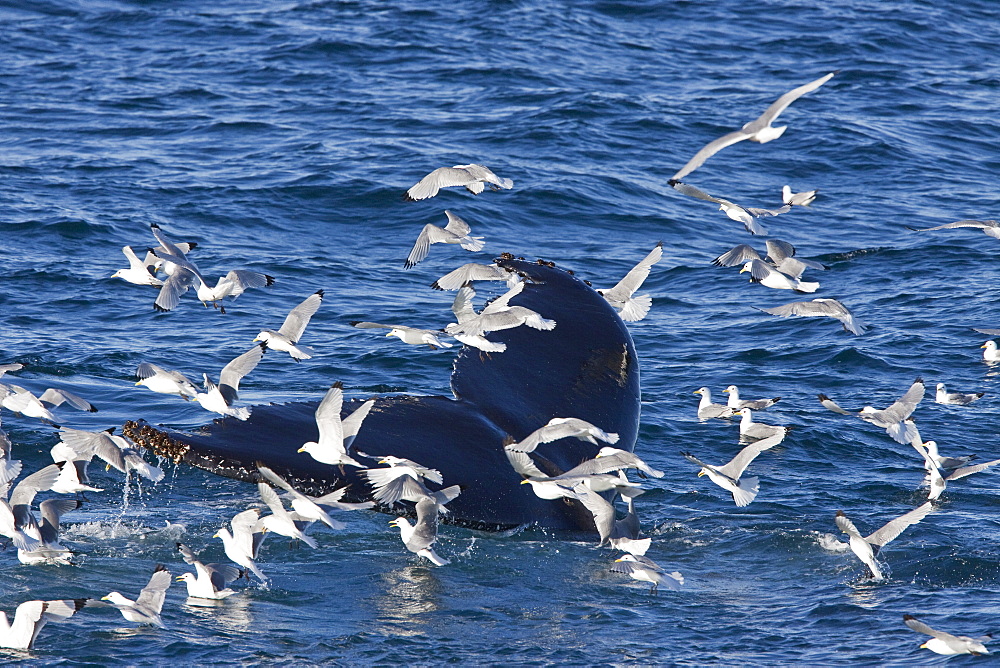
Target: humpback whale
[[586, 367]]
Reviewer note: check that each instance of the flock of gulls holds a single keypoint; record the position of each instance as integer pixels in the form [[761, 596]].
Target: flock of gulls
[[597, 484]]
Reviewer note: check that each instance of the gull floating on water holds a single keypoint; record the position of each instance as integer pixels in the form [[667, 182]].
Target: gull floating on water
[[145, 609], [943, 396], [30, 617], [757, 430], [208, 580], [728, 476], [819, 307], [780, 253], [745, 215], [766, 275], [336, 434], [797, 199], [645, 569], [991, 354], [945, 643], [758, 130], [629, 307], [708, 410], [867, 547], [894, 418], [457, 231], [473, 177], [939, 482], [291, 330], [736, 403], [990, 227], [410, 335], [558, 428]]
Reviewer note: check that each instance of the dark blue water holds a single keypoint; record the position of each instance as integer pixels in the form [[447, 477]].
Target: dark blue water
[[280, 137]]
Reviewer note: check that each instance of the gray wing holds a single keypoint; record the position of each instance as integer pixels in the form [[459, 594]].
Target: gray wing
[[694, 460], [52, 510], [782, 102], [442, 177], [523, 464], [472, 271], [233, 373], [759, 213], [759, 270], [603, 512], [484, 173], [297, 319], [221, 574], [736, 256], [734, 469], [243, 279], [328, 413], [462, 305], [903, 407], [846, 525], [817, 307], [351, 425], [988, 332], [635, 277], [39, 481], [56, 397], [896, 526], [90, 443], [425, 528], [979, 224], [615, 462], [831, 405], [920, 627], [691, 191], [172, 289], [271, 499], [147, 370], [186, 553], [503, 301], [778, 250], [361, 324], [969, 470], [708, 150], [456, 225], [421, 246], [152, 595]]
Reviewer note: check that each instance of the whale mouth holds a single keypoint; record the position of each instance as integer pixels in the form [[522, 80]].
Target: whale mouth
[[586, 367]]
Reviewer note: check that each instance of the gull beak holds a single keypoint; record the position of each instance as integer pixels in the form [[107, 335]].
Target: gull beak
[[388, 335], [525, 482], [138, 384], [701, 473], [179, 577], [743, 270], [215, 536], [302, 449], [982, 346], [727, 390], [256, 338], [105, 598], [617, 560], [696, 392], [922, 445]]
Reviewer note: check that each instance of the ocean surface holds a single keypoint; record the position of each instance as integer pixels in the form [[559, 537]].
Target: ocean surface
[[280, 137]]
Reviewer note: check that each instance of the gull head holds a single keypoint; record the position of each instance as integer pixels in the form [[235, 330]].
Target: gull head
[[308, 447], [116, 598], [869, 409], [731, 388], [264, 336], [395, 332], [187, 577], [701, 390], [626, 557]]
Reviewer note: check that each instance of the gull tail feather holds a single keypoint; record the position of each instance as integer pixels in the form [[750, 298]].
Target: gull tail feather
[[746, 492]]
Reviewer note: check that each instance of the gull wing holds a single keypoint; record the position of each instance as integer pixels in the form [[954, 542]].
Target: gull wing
[[442, 177], [484, 173], [233, 373], [734, 469], [425, 528], [328, 421], [52, 511], [782, 103], [979, 224], [759, 270], [462, 305], [361, 324], [694, 460], [831, 405], [761, 213], [896, 526], [421, 246], [523, 464], [503, 301], [710, 149], [903, 407], [271, 499], [691, 191], [472, 271], [26, 624], [920, 627], [152, 595], [39, 481], [969, 470], [603, 512], [170, 292], [351, 425], [778, 250], [297, 319], [816, 307], [635, 277], [736, 256], [846, 525], [243, 279], [456, 225], [56, 397]]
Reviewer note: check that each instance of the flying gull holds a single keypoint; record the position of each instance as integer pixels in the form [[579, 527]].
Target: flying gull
[[145, 609], [938, 482], [558, 428], [645, 569], [745, 215], [945, 643], [990, 227], [457, 231], [780, 253], [288, 335], [474, 271], [893, 418], [163, 381], [819, 307], [219, 398], [419, 538], [621, 297], [473, 177], [867, 547], [766, 275], [728, 476], [759, 130], [280, 521], [410, 335], [335, 434], [30, 617], [242, 544], [496, 315]]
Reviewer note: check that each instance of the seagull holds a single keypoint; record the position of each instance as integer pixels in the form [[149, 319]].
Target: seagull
[[242, 544], [625, 535], [30, 617], [497, 315], [314, 508], [736, 403], [473, 177], [165, 382], [621, 297], [745, 215], [780, 253], [728, 476], [797, 199], [990, 227], [420, 537], [145, 609], [894, 418], [73, 477], [115, 450], [763, 273], [138, 272], [945, 643], [558, 428], [708, 410], [26, 534], [57, 397], [464, 312], [219, 398], [335, 434], [867, 547], [820, 307], [457, 231], [182, 273], [288, 335], [410, 335], [759, 130], [757, 430], [280, 521], [232, 285], [991, 354], [939, 482], [403, 481], [931, 450], [645, 569], [943, 396], [19, 400], [50, 551], [474, 271], [208, 580]]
